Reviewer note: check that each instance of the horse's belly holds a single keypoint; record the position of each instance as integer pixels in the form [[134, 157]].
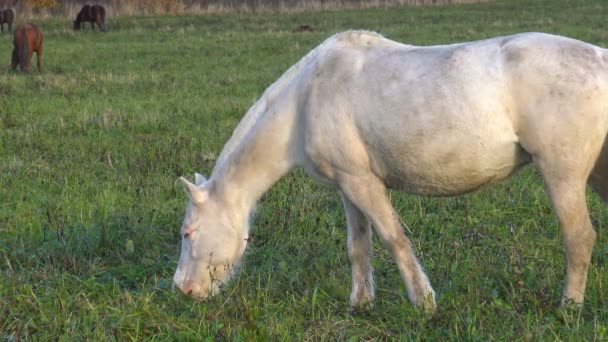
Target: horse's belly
[[450, 171]]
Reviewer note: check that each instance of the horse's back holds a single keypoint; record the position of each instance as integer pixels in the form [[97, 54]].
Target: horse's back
[[100, 11], [443, 120], [84, 13]]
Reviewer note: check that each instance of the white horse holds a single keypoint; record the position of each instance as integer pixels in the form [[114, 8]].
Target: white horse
[[364, 113]]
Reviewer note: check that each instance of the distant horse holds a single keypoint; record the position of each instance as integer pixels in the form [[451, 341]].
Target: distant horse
[[364, 113], [6, 16], [27, 40], [95, 14]]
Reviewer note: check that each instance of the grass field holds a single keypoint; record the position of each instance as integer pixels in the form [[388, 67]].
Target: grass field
[[90, 209]]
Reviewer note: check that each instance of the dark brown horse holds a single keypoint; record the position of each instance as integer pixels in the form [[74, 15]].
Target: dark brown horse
[[93, 14], [27, 40], [6, 16]]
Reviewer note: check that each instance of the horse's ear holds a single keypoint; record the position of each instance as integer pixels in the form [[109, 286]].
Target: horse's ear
[[199, 179], [197, 194]]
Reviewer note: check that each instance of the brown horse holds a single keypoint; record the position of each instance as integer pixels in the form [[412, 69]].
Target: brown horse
[[93, 14], [27, 40], [6, 16]]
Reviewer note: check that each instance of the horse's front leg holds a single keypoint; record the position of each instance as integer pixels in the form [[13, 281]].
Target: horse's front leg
[[369, 195], [359, 251]]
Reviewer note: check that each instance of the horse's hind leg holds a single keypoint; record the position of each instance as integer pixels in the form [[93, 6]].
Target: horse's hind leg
[[369, 194], [39, 58], [359, 251], [39, 61], [26, 64], [565, 177]]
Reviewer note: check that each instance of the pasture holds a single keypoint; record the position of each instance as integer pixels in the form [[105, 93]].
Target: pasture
[[90, 206]]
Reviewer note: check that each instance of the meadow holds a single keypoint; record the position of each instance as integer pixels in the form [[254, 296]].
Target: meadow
[[90, 206]]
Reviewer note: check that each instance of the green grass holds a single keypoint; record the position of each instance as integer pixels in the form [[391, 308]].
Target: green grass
[[90, 151]]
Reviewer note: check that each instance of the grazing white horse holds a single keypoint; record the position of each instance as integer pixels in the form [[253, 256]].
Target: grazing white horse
[[364, 113]]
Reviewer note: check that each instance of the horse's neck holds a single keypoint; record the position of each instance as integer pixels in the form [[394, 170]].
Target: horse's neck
[[266, 143], [256, 157]]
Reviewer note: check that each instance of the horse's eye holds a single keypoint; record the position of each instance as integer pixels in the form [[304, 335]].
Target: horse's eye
[[187, 235]]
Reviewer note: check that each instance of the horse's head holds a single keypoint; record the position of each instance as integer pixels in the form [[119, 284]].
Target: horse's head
[[76, 25], [211, 243]]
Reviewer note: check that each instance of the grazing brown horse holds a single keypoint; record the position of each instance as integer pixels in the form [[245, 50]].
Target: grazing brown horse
[[6, 16], [93, 14], [27, 40]]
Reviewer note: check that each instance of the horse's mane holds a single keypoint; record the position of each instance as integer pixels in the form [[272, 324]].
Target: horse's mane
[[254, 113]]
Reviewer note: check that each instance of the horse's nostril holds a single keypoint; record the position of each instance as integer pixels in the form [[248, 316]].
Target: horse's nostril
[[185, 289], [191, 289]]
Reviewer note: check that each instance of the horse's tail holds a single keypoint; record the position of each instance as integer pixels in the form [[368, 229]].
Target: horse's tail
[[24, 52], [24, 43]]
